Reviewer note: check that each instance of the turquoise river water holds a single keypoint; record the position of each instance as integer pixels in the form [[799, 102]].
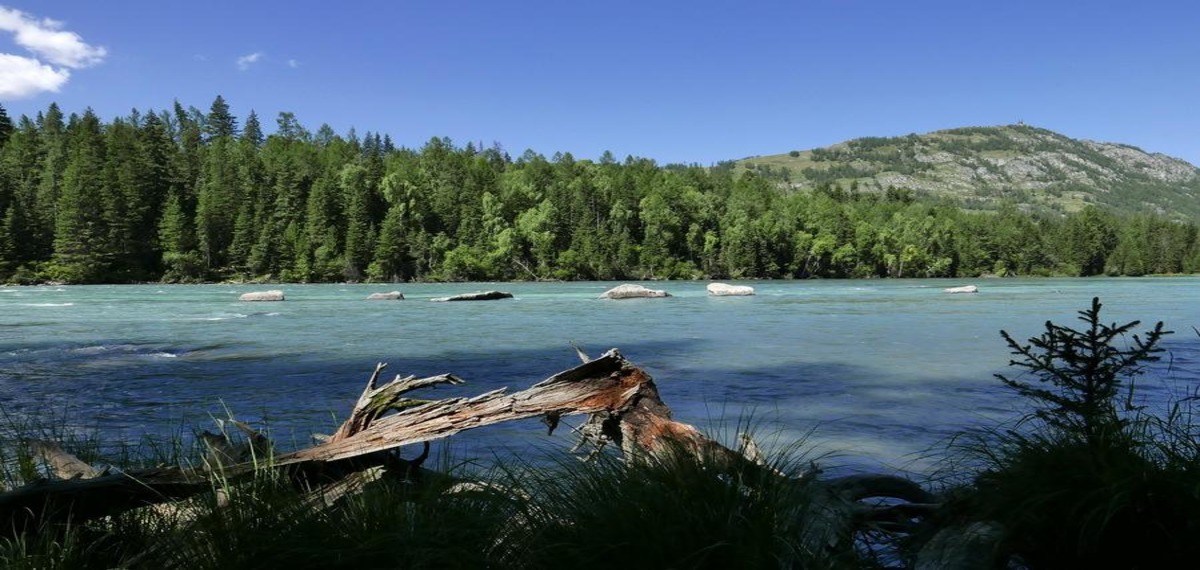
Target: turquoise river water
[[882, 372]]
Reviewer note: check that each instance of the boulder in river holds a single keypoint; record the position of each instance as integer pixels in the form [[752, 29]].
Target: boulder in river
[[962, 289], [727, 290], [274, 295], [631, 291], [480, 296], [389, 296]]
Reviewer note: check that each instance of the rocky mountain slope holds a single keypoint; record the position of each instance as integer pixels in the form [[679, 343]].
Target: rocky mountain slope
[[983, 167]]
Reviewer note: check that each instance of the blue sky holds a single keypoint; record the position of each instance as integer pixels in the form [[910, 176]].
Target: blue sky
[[688, 82]]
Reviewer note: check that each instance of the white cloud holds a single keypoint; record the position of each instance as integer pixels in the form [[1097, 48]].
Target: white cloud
[[22, 77], [293, 63], [246, 61], [54, 49], [47, 40]]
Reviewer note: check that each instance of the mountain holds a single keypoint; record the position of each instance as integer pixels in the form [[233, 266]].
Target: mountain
[[983, 167]]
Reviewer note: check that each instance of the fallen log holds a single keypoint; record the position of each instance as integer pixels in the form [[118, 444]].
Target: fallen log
[[621, 399], [608, 384]]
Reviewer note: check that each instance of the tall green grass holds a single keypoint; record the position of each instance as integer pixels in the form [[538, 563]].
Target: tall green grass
[[675, 511]]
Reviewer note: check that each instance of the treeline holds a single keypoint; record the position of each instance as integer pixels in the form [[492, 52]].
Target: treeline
[[184, 195]]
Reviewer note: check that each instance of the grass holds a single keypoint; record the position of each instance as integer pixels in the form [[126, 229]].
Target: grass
[[675, 512], [553, 511]]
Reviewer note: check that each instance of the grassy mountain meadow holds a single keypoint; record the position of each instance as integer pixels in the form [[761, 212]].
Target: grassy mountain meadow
[[983, 167]]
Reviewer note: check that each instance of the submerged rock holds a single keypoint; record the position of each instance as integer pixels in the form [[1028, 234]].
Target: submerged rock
[[480, 296], [274, 295], [727, 290], [389, 296], [962, 289], [631, 291]]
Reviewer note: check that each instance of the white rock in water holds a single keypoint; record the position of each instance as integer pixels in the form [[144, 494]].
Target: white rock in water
[[390, 296], [963, 289], [262, 296], [631, 291], [727, 290]]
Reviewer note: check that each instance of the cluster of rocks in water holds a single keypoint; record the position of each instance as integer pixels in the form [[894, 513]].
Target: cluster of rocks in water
[[625, 291]]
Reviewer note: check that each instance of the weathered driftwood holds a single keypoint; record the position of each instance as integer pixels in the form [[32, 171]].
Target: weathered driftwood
[[223, 451], [608, 385], [62, 464], [479, 296], [621, 399], [374, 401]]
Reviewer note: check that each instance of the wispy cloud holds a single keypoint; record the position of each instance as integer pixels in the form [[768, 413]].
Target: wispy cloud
[[293, 63], [53, 49], [244, 62]]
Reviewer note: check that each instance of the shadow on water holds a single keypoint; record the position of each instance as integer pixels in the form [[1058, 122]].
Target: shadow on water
[[125, 390]]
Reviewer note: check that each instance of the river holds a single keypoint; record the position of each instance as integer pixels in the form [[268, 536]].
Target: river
[[875, 374]]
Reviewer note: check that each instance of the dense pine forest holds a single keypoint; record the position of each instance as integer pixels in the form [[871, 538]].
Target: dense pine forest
[[184, 195]]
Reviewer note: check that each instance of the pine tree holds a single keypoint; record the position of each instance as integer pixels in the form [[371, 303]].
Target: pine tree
[[392, 262], [6, 127], [359, 227], [251, 193], [53, 154], [21, 161], [155, 150], [253, 131], [82, 247], [219, 122], [121, 197], [216, 202], [180, 258], [1082, 373], [189, 159]]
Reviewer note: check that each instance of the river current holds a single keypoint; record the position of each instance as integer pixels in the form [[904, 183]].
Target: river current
[[879, 373]]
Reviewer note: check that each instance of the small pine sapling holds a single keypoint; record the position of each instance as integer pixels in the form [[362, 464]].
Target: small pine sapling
[[1081, 373]]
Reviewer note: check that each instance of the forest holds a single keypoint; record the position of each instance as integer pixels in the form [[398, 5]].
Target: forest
[[183, 195]]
